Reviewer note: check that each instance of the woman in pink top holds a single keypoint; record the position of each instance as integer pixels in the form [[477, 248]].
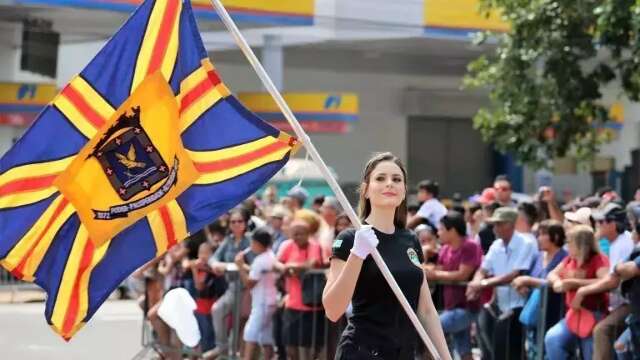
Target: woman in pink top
[[297, 255]]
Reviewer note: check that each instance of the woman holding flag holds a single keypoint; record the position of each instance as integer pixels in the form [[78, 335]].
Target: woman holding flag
[[379, 328]]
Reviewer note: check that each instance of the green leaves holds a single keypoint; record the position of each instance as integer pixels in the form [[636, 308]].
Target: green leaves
[[546, 75]]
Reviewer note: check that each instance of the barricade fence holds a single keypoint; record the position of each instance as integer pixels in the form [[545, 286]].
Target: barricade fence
[[322, 337]]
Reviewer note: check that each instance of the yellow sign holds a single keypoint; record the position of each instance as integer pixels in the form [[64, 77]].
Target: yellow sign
[[293, 7], [134, 165], [317, 112], [462, 15], [26, 94]]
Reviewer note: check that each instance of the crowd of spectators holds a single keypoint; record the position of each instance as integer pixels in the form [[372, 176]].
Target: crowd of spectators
[[500, 272]]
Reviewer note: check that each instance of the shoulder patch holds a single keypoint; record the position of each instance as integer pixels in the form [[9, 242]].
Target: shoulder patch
[[337, 243], [413, 256]]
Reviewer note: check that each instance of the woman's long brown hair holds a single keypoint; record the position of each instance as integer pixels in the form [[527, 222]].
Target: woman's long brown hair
[[364, 205]]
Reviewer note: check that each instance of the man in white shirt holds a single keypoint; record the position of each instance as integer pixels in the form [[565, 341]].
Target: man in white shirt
[[431, 209], [509, 256]]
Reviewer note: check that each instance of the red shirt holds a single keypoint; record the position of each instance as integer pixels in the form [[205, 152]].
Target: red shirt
[[588, 270], [291, 253], [470, 254]]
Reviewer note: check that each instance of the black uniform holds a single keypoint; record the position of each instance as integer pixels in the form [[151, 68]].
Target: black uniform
[[379, 328]]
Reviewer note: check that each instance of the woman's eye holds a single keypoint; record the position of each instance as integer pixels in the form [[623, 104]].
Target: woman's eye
[[380, 178], [397, 180]]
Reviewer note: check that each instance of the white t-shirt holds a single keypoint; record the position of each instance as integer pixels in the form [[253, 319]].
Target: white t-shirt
[[519, 254], [619, 251], [432, 210], [264, 293]]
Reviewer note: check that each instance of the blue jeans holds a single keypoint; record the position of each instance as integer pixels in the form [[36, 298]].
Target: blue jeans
[[625, 339], [207, 335], [457, 324], [560, 342]]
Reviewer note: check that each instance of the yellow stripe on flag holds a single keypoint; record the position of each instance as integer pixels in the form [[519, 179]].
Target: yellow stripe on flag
[[219, 176], [202, 104], [231, 152], [178, 220], [68, 279], [27, 254], [158, 231], [98, 255], [154, 40], [33, 170]]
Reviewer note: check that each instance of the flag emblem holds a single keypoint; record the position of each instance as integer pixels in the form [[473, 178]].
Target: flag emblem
[[122, 173], [128, 158]]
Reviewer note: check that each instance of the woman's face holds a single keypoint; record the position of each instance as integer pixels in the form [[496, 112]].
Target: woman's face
[[237, 224], [544, 241], [300, 234], [386, 188]]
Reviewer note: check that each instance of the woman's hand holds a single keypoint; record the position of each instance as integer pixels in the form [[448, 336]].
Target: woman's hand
[[559, 286], [576, 303], [365, 242]]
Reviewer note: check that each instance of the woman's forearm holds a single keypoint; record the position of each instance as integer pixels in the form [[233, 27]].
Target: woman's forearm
[[341, 283], [431, 322]]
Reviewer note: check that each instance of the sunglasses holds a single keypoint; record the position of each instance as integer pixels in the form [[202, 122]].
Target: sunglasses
[[503, 188], [237, 221]]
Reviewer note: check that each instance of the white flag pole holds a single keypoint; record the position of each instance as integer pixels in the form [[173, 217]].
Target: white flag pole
[[302, 136]]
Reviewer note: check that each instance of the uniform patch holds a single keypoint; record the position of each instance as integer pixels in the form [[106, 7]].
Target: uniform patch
[[337, 243], [413, 256]]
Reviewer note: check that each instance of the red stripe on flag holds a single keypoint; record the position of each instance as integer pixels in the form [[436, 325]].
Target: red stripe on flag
[[220, 165], [164, 35], [83, 107], [168, 226], [27, 184], [17, 272], [74, 301], [198, 90]]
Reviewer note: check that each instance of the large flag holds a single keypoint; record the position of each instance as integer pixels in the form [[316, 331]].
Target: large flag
[[145, 146]]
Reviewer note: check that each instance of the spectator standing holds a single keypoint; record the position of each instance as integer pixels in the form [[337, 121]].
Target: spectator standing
[[297, 255], [459, 259], [510, 256], [260, 278], [611, 226], [583, 266], [235, 242], [503, 189], [431, 209], [551, 239]]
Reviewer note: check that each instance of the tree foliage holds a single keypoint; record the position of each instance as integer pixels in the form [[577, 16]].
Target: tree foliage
[[546, 76]]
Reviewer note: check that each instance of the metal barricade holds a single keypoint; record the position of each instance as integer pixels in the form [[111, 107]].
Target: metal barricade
[[323, 345]]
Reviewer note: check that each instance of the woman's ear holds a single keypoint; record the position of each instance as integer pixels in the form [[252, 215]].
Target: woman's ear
[[365, 190]]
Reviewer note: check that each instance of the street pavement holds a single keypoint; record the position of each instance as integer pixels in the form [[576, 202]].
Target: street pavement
[[113, 333]]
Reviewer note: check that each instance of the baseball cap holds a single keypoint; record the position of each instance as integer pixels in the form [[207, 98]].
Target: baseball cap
[[611, 211], [488, 196], [298, 192], [580, 216], [504, 214]]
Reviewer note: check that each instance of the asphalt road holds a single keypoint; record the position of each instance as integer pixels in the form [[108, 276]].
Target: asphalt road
[[114, 333]]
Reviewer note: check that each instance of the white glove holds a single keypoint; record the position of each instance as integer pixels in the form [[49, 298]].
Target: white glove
[[365, 242]]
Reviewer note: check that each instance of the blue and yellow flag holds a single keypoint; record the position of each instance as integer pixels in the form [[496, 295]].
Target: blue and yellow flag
[[145, 146]]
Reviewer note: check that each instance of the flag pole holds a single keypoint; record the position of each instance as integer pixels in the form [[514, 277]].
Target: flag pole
[[302, 136]]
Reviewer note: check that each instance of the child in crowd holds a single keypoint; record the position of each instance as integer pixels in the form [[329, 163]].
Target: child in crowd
[[261, 279]]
